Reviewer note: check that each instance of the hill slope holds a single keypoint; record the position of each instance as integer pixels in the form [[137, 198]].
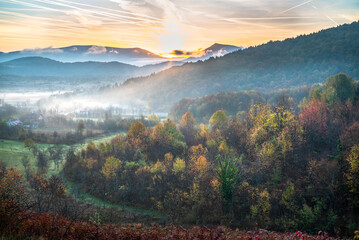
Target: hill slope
[[43, 74], [303, 60], [84, 53], [39, 66]]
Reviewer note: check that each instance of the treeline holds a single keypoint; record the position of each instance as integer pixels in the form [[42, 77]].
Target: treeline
[[272, 169], [46, 212], [235, 103]]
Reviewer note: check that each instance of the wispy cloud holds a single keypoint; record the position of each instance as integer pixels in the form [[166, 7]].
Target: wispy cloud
[[296, 6], [43, 50], [164, 25], [331, 19]]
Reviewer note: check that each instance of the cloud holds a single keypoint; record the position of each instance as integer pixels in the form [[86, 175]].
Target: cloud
[[199, 53], [83, 20], [140, 6], [331, 19], [296, 6], [113, 51], [171, 30], [96, 50], [220, 53], [181, 53], [164, 25], [42, 50]]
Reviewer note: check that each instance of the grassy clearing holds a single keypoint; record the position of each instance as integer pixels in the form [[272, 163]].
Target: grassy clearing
[[11, 153], [96, 140]]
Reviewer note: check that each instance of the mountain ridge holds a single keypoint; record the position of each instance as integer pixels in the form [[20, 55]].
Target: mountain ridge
[[85, 53], [41, 66], [293, 62]]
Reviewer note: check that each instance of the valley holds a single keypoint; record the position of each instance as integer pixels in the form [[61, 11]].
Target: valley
[[228, 136]]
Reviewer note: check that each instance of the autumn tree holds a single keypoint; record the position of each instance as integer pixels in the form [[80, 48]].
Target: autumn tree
[[38, 184], [55, 195], [218, 120], [353, 175], [111, 169], [153, 118], [350, 137], [340, 88], [187, 127], [284, 101], [12, 196], [195, 152], [138, 137], [273, 137], [260, 209], [314, 119], [315, 92], [236, 135], [91, 151], [136, 130], [167, 139], [29, 143]]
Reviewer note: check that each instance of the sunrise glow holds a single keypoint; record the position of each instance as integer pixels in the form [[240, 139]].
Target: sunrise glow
[[162, 26]]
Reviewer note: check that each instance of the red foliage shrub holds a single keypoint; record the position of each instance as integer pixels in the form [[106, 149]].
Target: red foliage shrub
[[56, 227]]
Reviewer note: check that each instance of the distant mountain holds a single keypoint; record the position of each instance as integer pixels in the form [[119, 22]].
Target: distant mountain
[[216, 50], [39, 66], [303, 60], [79, 53], [133, 56]]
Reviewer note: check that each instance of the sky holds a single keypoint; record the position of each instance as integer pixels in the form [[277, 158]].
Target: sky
[[162, 26]]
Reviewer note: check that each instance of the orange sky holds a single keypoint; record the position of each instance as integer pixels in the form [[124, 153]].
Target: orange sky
[[161, 26]]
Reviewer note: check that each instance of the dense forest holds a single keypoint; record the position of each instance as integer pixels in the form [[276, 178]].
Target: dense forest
[[287, 162], [273, 168], [234, 103], [303, 60]]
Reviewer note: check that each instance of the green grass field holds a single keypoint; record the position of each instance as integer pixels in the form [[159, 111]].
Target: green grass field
[[11, 152]]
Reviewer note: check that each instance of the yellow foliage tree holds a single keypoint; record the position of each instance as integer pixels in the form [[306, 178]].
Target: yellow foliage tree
[[353, 173], [218, 120], [110, 168]]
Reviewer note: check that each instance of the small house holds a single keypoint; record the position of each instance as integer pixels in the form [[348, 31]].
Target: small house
[[14, 122]]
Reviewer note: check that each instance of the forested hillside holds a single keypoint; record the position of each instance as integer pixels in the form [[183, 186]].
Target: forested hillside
[[274, 168], [303, 60]]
